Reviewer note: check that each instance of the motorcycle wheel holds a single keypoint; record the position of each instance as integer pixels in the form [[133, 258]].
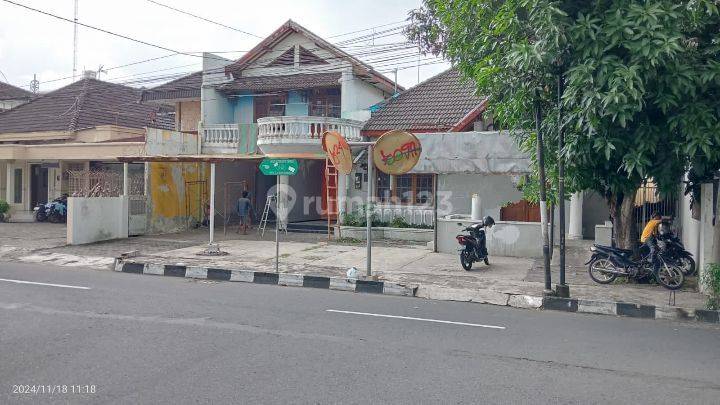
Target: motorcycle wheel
[[687, 264], [54, 218], [670, 277], [487, 261], [598, 270], [40, 216], [465, 260]]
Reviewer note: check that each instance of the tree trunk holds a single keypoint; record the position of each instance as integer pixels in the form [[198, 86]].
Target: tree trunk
[[622, 210]]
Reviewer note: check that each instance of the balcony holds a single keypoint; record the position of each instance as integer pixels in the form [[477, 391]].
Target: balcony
[[300, 135], [229, 139]]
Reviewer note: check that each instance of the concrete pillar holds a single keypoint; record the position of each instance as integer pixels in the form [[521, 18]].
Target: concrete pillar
[[212, 203], [10, 183], [576, 216], [709, 234], [126, 183], [342, 192]]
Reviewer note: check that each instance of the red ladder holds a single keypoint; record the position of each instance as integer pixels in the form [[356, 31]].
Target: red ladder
[[331, 187]]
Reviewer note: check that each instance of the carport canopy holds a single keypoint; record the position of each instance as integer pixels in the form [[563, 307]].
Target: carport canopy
[[212, 159]]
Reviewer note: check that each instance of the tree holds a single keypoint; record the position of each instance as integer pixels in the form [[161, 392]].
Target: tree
[[641, 84]]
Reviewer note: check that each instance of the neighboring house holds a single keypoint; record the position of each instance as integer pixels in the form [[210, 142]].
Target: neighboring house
[[11, 96], [184, 94], [442, 103], [79, 127]]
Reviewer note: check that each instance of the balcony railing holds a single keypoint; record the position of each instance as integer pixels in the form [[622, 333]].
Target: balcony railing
[[304, 129], [229, 138]]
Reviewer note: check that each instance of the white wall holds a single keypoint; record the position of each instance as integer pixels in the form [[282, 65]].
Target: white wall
[[690, 228], [356, 96], [505, 238], [96, 218]]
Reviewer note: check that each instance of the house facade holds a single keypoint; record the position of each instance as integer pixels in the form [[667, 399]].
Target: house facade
[[275, 101], [78, 128]]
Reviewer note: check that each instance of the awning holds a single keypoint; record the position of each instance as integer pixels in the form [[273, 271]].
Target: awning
[[189, 158]]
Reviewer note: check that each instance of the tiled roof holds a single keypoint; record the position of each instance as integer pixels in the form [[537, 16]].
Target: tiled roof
[[437, 103], [360, 68], [184, 87], [290, 82], [10, 92], [86, 103]]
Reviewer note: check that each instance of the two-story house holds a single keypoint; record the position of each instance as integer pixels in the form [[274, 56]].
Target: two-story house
[[276, 101]]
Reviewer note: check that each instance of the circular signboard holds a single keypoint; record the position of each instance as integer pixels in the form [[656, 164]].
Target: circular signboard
[[396, 152], [338, 151]]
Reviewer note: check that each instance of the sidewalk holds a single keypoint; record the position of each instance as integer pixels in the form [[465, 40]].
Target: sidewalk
[[437, 275]]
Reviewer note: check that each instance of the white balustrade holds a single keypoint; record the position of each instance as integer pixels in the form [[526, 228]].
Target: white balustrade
[[229, 138], [301, 128]]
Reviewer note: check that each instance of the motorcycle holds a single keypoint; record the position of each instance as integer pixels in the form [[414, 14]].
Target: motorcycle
[[473, 245], [674, 251], [608, 263], [54, 211]]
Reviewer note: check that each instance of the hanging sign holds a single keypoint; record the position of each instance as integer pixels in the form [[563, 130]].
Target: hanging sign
[[338, 151], [279, 167], [396, 152]]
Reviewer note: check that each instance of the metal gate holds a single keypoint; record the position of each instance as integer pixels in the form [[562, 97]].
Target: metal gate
[[648, 200]]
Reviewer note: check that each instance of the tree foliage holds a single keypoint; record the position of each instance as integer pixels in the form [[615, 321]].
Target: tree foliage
[[641, 81]]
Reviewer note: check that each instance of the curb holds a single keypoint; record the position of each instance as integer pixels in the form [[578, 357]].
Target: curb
[[259, 277], [387, 288], [630, 310]]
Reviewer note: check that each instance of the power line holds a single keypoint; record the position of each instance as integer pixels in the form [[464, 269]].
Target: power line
[[99, 29], [203, 18]]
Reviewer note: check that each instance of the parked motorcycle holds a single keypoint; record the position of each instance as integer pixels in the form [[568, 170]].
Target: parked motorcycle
[[473, 245], [673, 249], [54, 211], [607, 263]]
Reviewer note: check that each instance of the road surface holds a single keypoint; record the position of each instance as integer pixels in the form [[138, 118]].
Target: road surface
[[145, 339]]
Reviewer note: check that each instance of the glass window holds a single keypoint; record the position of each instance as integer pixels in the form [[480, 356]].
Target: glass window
[[382, 188], [17, 186], [404, 188], [424, 189]]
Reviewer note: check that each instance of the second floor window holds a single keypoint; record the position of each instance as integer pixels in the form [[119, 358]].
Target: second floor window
[[270, 106], [324, 102]]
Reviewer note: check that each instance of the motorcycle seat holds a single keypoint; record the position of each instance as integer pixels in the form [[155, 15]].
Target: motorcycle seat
[[614, 249]]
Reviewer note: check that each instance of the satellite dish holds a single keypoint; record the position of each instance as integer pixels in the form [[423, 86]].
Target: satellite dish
[[396, 152], [338, 151]]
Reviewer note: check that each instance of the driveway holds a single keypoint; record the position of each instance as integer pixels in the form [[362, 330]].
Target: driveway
[[26, 237]]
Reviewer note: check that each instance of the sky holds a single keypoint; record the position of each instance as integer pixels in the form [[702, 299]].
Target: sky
[[35, 44]]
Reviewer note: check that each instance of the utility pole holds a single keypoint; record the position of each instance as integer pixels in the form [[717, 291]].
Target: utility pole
[[543, 196], [75, 41], [395, 91], [562, 289]]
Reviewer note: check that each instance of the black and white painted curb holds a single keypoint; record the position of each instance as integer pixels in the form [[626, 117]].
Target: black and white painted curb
[[384, 287], [630, 310], [258, 277]]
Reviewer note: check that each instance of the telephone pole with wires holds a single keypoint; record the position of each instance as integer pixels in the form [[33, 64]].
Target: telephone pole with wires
[[75, 41]]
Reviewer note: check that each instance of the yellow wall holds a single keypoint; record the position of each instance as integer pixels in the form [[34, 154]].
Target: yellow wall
[[173, 200]]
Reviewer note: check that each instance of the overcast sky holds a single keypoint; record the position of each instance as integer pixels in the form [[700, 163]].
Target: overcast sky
[[32, 43]]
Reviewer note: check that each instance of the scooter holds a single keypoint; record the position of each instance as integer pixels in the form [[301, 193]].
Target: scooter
[[608, 263], [54, 211], [473, 245]]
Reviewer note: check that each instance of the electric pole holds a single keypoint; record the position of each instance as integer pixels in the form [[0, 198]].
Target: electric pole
[[75, 41]]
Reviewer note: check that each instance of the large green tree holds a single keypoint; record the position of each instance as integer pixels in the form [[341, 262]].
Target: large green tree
[[640, 82]]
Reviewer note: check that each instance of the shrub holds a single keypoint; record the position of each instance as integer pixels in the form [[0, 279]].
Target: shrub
[[4, 207], [711, 280]]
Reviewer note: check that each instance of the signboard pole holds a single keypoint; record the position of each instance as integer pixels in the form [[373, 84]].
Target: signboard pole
[[368, 209], [277, 223]]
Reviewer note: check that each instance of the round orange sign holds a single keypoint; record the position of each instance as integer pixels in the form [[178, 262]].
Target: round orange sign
[[338, 151], [396, 152]]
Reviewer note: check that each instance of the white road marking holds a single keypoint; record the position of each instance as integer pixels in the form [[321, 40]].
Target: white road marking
[[415, 319], [46, 284]]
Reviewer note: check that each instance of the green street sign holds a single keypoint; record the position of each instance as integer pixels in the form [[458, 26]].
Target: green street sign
[[279, 167]]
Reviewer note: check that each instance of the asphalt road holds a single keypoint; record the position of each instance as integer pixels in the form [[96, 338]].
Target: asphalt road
[[145, 339]]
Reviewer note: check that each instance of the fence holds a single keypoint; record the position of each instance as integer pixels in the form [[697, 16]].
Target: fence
[[103, 183], [649, 200]]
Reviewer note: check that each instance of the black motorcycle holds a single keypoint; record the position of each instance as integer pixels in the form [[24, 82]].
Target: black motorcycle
[[474, 244], [673, 250], [608, 263], [54, 211]]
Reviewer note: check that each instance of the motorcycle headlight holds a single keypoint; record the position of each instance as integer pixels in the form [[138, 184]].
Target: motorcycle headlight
[[593, 248]]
